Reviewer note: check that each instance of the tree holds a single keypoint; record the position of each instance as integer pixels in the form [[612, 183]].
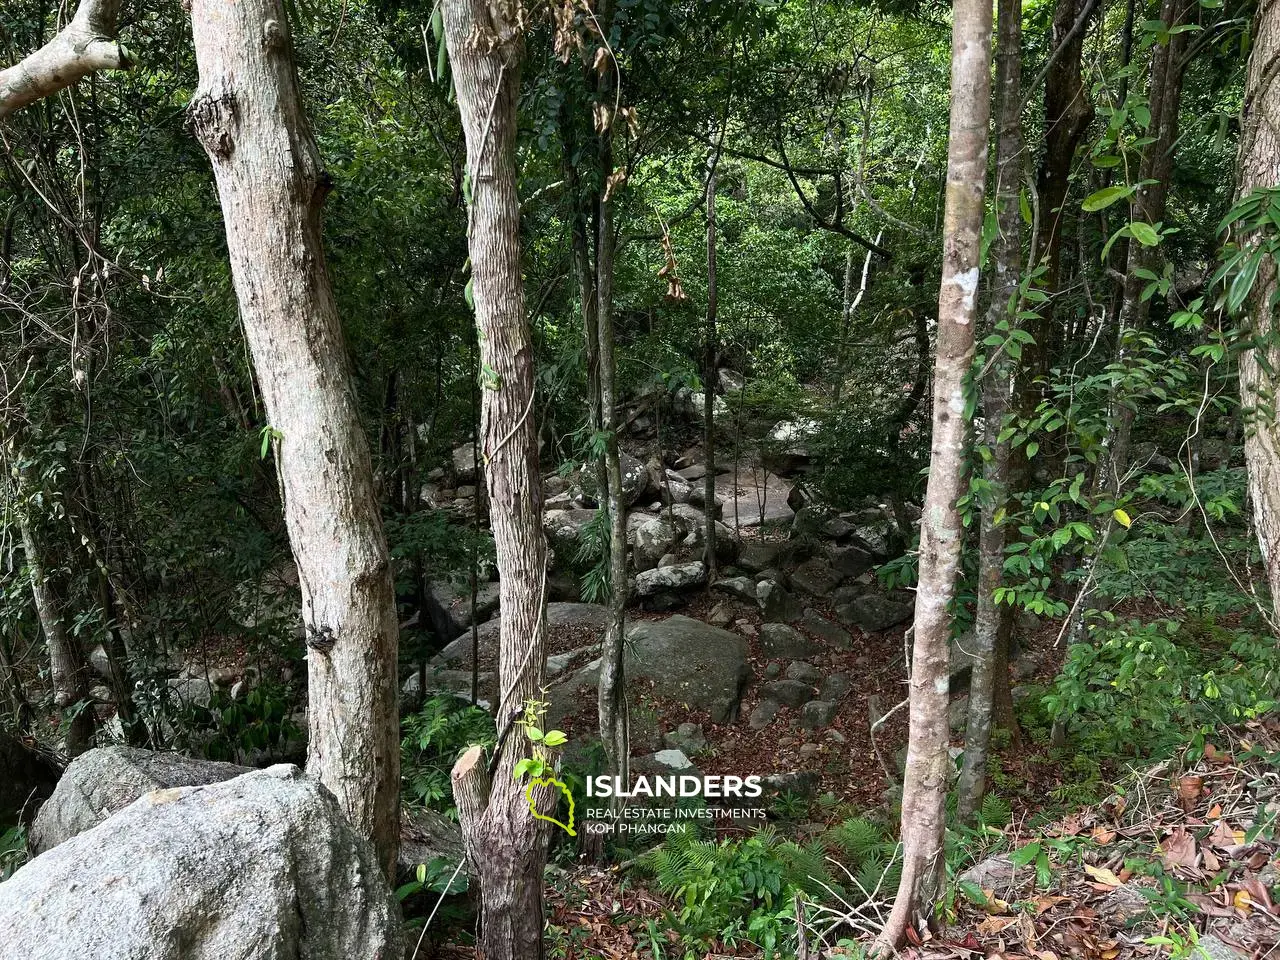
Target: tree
[[990, 639], [506, 845], [248, 115], [1259, 169], [928, 762], [86, 45]]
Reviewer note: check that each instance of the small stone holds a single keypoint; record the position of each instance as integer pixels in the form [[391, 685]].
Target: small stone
[[815, 577], [835, 736], [804, 672], [742, 587], [782, 642], [688, 738], [776, 603], [816, 623], [792, 693], [809, 750], [762, 715], [773, 671], [836, 686], [817, 713]]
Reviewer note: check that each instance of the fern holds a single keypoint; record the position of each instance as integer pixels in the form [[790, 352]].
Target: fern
[[856, 837], [996, 811]]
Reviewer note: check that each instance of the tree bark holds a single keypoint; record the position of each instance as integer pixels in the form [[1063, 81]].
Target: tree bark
[[506, 846], [68, 668], [249, 117], [1006, 256], [1259, 167], [84, 46], [709, 373], [925, 786]]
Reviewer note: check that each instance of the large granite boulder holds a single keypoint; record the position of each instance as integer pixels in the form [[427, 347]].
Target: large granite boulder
[[102, 782], [681, 659], [263, 866], [591, 617]]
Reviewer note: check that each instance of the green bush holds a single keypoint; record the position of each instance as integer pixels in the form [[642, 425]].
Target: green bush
[[432, 738]]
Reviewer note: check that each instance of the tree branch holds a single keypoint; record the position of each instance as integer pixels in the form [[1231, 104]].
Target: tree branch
[[87, 44]]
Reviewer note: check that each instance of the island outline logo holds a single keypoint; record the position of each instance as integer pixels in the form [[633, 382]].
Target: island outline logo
[[533, 804]]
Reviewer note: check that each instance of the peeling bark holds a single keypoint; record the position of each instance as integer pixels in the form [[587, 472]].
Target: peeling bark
[[248, 115]]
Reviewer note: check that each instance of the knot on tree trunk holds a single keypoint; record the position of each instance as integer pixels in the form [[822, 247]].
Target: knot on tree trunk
[[214, 118]]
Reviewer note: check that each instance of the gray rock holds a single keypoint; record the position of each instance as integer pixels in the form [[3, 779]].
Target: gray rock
[[816, 623], [263, 866], [780, 642], [190, 692], [741, 587], [762, 715], [773, 671], [586, 616], [835, 686], [776, 603], [755, 498], [454, 683], [999, 875], [875, 538], [454, 601], [684, 659], [817, 713], [674, 489], [850, 560], [682, 576], [687, 738], [811, 521], [635, 479], [809, 750], [875, 612], [426, 836], [668, 560], [653, 538], [465, 461], [759, 555], [100, 662], [102, 782], [564, 527], [791, 693], [1213, 948], [815, 577], [804, 672]]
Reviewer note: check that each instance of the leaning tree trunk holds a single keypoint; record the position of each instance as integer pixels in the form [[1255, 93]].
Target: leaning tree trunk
[[84, 46], [928, 762], [1259, 161], [1006, 255], [248, 115], [506, 846]]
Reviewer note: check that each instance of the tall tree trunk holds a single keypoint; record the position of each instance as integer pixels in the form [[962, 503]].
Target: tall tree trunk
[[1006, 256], [1154, 172], [248, 115], [709, 373], [925, 787], [506, 845], [1259, 163], [1067, 114], [68, 667]]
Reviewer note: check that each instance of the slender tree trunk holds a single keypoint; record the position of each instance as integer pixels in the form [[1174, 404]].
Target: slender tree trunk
[[12, 688], [709, 373], [68, 668], [248, 115], [506, 846], [1006, 256], [1259, 162], [1154, 172], [928, 762]]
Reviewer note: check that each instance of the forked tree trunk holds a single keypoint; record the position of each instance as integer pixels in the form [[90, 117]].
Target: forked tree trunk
[[85, 45], [1259, 162], [248, 115], [1006, 256], [925, 787], [506, 846]]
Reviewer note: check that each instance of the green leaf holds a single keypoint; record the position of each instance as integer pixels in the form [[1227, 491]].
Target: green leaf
[[1144, 233], [1025, 855], [1105, 198], [555, 738], [1122, 518]]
